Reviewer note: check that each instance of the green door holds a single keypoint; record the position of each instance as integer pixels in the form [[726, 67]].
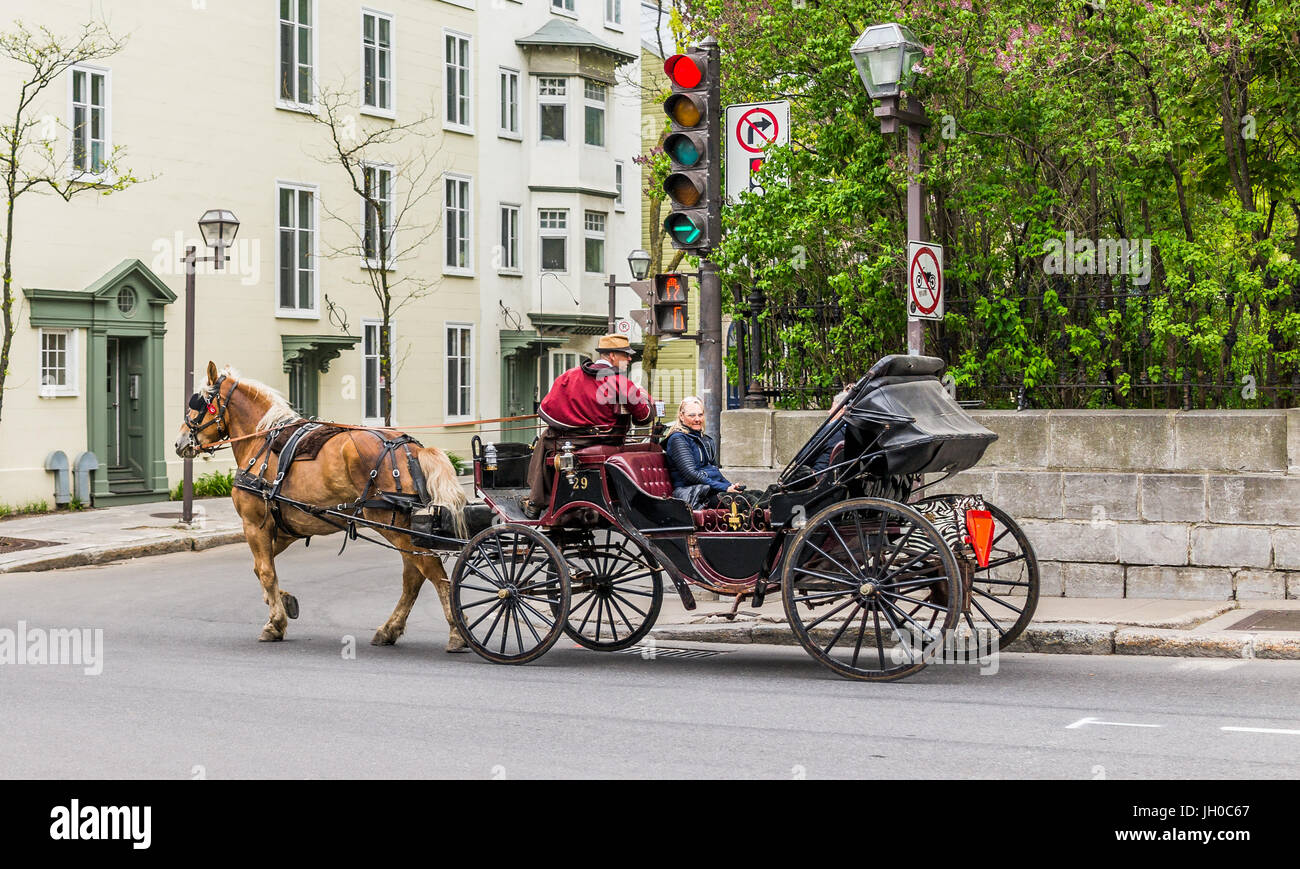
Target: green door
[[518, 378], [135, 453], [112, 406]]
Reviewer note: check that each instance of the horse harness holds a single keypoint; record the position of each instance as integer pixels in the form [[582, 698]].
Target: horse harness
[[216, 405], [372, 497]]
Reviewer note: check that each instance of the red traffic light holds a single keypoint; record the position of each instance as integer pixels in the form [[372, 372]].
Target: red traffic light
[[684, 71]]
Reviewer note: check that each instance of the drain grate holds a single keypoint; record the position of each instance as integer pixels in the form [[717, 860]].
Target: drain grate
[[1269, 620], [18, 544], [665, 652]]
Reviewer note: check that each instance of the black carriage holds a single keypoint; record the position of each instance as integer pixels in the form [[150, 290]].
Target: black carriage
[[877, 578]]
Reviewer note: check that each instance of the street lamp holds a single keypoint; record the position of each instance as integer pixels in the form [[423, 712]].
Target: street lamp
[[638, 261], [885, 55], [218, 227]]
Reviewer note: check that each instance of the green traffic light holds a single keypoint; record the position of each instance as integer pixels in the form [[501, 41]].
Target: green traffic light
[[683, 229]]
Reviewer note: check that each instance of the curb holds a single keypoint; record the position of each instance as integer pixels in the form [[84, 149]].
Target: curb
[[1051, 639], [103, 555]]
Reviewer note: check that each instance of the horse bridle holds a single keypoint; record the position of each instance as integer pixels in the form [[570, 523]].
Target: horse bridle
[[217, 407]]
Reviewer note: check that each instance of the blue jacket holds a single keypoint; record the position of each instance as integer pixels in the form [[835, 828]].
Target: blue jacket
[[692, 461]]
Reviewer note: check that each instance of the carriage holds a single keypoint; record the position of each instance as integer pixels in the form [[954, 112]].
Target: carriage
[[877, 577]]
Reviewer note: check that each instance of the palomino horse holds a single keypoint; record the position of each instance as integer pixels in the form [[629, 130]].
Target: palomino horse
[[246, 412]]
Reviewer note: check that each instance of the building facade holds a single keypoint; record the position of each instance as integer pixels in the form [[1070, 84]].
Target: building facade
[[497, 136]]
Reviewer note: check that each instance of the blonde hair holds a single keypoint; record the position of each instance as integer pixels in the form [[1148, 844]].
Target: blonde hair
[[677, 423]]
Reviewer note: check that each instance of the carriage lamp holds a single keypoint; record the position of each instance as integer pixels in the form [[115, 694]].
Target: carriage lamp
[[566, 464], [639, 262], [218, 227]]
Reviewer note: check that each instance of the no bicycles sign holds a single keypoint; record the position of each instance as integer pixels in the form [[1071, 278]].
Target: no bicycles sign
[[924, 281]]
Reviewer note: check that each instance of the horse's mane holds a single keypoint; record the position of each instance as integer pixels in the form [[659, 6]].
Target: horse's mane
[[279, 410]]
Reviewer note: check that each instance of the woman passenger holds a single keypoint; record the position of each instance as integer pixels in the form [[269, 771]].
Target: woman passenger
[[693, 459]]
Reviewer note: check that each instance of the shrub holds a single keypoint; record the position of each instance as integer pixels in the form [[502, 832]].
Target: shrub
[[216, 484]]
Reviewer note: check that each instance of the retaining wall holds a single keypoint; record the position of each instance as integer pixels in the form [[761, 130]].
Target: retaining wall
[[1201, 505]]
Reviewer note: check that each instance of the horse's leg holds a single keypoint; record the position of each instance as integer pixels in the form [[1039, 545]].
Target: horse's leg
[[412, 579], [266, 545], [432, 568]]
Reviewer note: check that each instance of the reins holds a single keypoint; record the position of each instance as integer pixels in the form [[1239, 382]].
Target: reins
[[215, 445]]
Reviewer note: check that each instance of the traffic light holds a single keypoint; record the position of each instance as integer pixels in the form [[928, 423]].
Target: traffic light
[[670, 304], [692, 144]]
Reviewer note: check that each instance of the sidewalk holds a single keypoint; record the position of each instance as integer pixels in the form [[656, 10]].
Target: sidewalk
[[51, 541], [1079, 626]]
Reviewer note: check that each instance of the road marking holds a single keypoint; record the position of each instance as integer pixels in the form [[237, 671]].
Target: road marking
[[1085, 721], [1261, 730]]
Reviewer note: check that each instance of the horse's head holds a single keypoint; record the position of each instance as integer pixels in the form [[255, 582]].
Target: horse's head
[[205, 416]]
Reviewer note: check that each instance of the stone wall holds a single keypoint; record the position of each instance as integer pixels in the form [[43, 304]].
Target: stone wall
[[1202, 505]]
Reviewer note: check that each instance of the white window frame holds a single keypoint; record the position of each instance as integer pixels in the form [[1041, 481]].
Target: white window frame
[[566, 356], [506, 74], [71, 361], [564, 7], [88, 175], [561, 100], [367, 261], [603, 105], [377, 323], [389, 111], [312, 313], [467, 125], [447, 326], [589, 234], [544, 233], [506, 268], [616, 22], [295, 105], [466, 270], [620, 180]]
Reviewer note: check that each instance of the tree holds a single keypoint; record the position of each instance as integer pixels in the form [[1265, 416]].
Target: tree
[[28, 159], [392, 177]]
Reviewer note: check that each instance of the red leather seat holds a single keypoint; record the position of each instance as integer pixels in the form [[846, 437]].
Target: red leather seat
[[596, 455], [646, 469]]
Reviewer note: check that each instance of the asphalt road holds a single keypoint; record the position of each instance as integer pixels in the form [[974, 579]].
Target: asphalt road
[[187, 691]]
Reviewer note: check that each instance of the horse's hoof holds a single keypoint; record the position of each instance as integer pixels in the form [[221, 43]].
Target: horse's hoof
[[270, 636], [290, 604], [455, 647], [382, 638]]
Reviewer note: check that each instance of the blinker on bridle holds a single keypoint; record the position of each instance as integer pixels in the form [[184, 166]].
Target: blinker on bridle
[[216, 406]]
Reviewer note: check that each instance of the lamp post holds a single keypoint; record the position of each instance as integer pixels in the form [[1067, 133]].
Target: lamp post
[[638, 262], [884, 55], [218, 227]]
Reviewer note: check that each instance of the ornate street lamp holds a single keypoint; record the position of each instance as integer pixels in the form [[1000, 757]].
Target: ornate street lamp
[[639, 262]]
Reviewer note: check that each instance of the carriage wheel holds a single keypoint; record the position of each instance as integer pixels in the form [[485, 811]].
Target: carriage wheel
[[505, 589], [870, 588], [616, 588]]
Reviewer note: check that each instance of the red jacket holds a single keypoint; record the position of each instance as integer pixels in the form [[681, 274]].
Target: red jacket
[[594, 394]]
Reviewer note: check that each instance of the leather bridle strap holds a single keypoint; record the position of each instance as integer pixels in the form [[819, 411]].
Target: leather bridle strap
[[218, 418]]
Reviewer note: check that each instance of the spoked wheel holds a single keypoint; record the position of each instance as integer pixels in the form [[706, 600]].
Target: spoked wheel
[[1004, 595], [505, 590], [870, 588], [616, 589]]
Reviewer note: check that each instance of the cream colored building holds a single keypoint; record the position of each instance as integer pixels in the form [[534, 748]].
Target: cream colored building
[[213, 103]]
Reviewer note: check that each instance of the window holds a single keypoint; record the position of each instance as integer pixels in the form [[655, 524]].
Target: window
[[593, 93], [460, 371], [456, 58], [373, 387], [561, 361], [555, 241], [89, 120], [456, 220], [563, 6], [296, 252], [614, 13], [552, 95], [618, 186], [509, 258], [377, 61], [377, 208], [58, 362], [296, 51], [509, 102], [594, 232]]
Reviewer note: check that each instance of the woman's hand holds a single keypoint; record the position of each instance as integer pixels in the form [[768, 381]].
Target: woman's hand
[[735, 487]]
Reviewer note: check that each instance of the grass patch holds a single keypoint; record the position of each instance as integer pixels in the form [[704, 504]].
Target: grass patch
[[216, 484], [31, 507]]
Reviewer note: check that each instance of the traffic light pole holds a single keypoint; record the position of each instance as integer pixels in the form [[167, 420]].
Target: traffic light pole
[[712, 375]]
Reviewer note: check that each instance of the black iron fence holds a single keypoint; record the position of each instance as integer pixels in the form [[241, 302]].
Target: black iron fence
[[1111, 348]]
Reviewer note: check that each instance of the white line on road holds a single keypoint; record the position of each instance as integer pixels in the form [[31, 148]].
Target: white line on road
[[1261, 730], [1085, 721]]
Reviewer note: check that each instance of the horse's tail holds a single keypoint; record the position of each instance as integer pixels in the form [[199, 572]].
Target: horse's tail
[[440, 481]]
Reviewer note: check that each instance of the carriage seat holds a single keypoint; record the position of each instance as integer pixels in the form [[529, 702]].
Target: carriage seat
[[646, 468], [595, 456]]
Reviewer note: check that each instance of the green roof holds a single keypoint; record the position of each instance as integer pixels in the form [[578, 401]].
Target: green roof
[[559, 33]]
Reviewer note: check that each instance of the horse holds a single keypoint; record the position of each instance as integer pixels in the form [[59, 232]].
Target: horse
[[247, 414]]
